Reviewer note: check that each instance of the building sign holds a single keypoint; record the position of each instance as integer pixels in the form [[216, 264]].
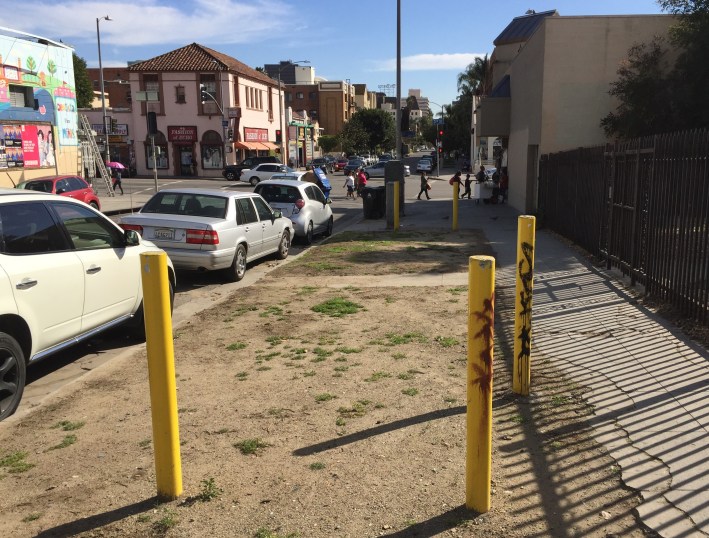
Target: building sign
[[255, 135], [182, 133], [118, 129], [26, 146], [234, 111]]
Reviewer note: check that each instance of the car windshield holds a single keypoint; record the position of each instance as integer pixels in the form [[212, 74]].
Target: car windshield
[[279, 194], [178, 203], [355, 162], [37, 185]]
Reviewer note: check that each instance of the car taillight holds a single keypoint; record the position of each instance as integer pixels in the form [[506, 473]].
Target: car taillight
[[202, 237], [135, 227], [299, 204]]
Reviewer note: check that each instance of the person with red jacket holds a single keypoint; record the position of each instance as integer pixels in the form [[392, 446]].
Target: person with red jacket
[[361, 181]]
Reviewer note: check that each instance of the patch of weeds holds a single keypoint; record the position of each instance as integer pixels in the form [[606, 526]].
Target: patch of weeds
[[408, 375], [379, 406], [274, 340], [319, 358], [239, 312], [317, 466], [449, 400], [615, 470], [410, 391], [271, 356], [323, 266], [377, 376], [263, 532], [341, 368], [300, 351], [394, 339], [67, 441], [68, 426], [327, 341], [143, 518], [251, 446], [322, 352], [324, 397], [166, 522], [209, 490], [222, 431], [351, 288], [263, 368], [556, 445], [457, 290], [271, 311], [559, 399], [307, 290], [446, 341], [340, 421], [31, 517], [309, 373], [358, 409], [15, 462], [279, 412], [236, 346], [398, 356], [517, 419], [341, 359], [349, 350], [337, 307], [145, 443], [389, 300], [241, 376]]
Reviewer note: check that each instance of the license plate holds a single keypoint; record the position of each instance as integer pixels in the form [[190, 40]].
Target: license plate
[[164, 233]]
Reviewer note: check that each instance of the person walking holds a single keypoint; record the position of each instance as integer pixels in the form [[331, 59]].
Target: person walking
[[480, 176], [467, 191], [350, 184], [361, 181], [117, 180], [425, 187]]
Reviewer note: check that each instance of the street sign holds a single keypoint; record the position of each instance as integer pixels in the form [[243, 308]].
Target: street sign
[[438, 121], [225, 123]]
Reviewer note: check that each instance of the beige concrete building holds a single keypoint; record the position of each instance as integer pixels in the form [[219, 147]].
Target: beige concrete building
[[551, 77]]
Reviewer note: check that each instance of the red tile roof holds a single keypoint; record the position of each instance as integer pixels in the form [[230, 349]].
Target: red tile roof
[[196, 57]]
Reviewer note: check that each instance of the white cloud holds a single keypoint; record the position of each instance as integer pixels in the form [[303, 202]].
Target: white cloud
[[430, 62], [155, 22]]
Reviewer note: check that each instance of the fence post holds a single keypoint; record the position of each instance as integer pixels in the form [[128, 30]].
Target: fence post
[[521, 372], [481, 315]]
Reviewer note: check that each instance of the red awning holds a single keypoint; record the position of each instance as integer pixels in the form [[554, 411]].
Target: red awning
[[270, 145], [248, 145]]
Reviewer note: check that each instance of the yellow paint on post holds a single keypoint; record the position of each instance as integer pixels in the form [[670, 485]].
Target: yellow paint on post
[[522, 369], [396, 206], [481, 315], [456, 194], [161, 374]]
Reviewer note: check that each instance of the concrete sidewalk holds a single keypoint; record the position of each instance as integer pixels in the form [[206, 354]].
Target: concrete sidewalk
[[646, 381]]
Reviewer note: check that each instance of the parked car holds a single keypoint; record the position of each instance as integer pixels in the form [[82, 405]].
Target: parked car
[[212, 229], [341, 163], [424, 165], [385, 157], [302, 202], [377, 170], [67, 272], [322, 162], [232, 172], [70, 186], [263, 172], [352, 165], [295, 175]]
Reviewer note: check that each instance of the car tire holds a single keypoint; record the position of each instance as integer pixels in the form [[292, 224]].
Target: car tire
[[94, 205], [12, 375], [230, 176], [254, 181], [308, 238], [330, 225], [283, 246], [136, 326], [366, 174], [238, 267]]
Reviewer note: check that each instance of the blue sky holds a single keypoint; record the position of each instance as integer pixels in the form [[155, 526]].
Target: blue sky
[[342, 39]]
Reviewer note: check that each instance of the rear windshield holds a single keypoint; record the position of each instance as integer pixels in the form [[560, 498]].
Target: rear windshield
[[176, 203], [278, 194], [38, 185]]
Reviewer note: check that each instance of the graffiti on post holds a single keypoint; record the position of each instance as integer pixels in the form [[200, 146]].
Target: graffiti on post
[[525, 275], [482, 378]]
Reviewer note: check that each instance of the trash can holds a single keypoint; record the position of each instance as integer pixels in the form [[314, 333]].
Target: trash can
[[374, 202]]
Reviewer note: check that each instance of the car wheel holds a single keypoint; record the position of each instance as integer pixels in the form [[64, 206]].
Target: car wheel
[[94, 205], [366, 174], [254, 181], [284, 246], [328, 230], [230, 176], [12, 375], [136, 327], [238, 267], [308, 239]]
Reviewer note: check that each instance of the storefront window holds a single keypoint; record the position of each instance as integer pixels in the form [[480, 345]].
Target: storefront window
[[212, 150], [160, 149]]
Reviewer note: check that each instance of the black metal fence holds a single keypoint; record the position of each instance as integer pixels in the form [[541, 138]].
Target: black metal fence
[[641, 205]]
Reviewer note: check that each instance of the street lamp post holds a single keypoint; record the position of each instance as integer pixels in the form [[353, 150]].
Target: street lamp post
[[103, 94], [280, 102], [204, 94], [440, 154]]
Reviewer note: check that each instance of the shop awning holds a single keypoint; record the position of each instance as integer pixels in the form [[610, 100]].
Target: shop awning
[[270, 145], [249, 145]]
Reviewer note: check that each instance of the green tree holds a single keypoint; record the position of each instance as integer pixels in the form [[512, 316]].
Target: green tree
[[31, 64], [475, 80], [51, 67], [644, 93], [328, 143], [353, 137], [378, 128], [82, 82]]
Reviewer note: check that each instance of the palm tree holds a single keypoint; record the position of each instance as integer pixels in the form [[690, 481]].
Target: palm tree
[[474, 80]]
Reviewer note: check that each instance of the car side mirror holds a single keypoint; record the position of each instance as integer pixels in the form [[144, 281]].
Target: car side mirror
[[277, 214], [132, 238], [61, 191]]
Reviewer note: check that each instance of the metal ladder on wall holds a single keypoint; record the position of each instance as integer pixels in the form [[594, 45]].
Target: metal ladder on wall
[[94, 152]]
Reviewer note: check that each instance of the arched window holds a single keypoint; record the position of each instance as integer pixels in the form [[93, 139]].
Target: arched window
[[160, 149], [212, 150]]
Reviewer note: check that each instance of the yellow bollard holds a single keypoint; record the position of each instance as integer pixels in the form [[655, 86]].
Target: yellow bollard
[[522, 370], [456, 193], [481, 315], [161, 374], [396, 206]]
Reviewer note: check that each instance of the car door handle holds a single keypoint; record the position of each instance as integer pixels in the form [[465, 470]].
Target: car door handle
[[26, 283], [93, 269]]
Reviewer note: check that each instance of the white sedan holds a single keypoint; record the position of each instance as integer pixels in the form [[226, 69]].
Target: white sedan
[[424, 165], [263, 172], [377, 170], [211, 229]]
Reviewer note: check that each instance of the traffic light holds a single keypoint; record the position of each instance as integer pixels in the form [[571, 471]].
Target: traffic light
[[152, 123], [230, 134], [278, 136], [204, 94], [440, 149], [440, 133]]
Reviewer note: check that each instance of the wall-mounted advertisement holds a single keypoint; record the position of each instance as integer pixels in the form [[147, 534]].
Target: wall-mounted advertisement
[[26, 146]]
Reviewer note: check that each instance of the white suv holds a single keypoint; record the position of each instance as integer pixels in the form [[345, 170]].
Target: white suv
[[67, 272]]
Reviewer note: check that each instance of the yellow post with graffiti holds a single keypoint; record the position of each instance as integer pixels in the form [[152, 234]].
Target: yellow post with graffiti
[[522, 372], [396, 206], [161, 374], [456, 194], [481, 315]]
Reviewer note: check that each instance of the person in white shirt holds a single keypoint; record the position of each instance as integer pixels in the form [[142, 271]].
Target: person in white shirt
[[350, 184]]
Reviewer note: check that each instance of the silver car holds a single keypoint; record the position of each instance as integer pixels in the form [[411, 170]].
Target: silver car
[[210, 229], [377, 170], [301, 201]]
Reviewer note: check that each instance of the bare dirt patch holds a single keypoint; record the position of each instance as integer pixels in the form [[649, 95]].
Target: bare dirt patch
[[295, 422]]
